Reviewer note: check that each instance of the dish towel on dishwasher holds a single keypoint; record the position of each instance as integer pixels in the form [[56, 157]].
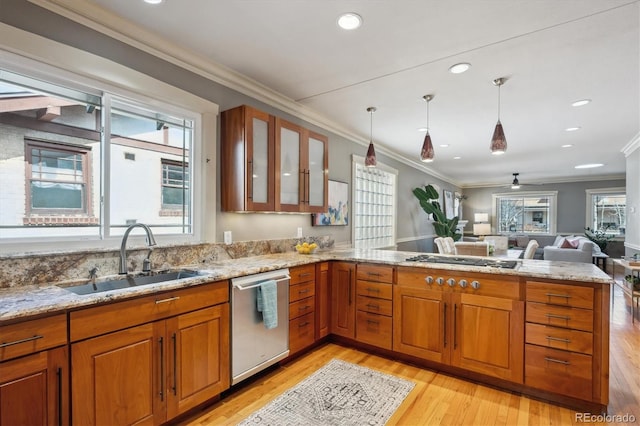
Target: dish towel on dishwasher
[[267, 303]]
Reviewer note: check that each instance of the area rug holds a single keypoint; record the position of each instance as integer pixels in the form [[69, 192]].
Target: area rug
[[339, 393]]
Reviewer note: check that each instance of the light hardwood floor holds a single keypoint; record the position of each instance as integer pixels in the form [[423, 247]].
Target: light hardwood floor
[[438, 399]]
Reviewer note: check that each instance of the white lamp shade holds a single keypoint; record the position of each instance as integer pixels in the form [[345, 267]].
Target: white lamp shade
[[482, 228], [481, 217]]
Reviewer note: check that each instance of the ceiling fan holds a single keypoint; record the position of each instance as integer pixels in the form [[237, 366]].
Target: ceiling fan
[[516, 183]]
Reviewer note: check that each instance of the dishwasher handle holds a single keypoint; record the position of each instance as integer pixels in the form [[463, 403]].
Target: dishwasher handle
[[258, 284]]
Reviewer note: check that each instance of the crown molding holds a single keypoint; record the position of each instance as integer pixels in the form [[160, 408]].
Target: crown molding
[[118, 28], [632, 146], [549, 181]]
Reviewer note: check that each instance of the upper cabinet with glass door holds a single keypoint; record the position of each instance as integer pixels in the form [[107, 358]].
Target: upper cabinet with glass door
[[247, 160], [301, 169], [270, 164]]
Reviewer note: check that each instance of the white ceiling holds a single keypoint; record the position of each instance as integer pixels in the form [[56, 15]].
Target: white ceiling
[[551, 52]]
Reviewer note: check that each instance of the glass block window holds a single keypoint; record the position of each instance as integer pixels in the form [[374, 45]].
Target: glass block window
[[374, 205]]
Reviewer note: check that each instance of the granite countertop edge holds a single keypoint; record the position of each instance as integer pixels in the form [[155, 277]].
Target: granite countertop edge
[[30, 301]]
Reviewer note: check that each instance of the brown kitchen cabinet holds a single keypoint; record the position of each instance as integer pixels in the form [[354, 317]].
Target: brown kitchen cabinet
[[248, 160], [322, 300], [343, 299], [301, 164], [374, 305], [567, 332], [302, 305], [270, 164], [440, 316], [147, 360], [34, 372]]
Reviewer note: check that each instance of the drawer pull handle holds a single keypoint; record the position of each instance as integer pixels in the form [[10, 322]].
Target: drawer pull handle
[[564, 317], [369, 321], [375, 274], [170, 299], [304, 308], [303, 291], [306, 274], [373, 290], [558, 339], [304, 324], [372, 306], [564, 296], [17, 342], [557, 361]]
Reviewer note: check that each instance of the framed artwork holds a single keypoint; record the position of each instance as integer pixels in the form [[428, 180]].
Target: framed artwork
[[449, 204], [338, 214]]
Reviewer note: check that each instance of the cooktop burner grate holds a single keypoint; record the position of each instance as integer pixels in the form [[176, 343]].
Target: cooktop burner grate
[[470, 261]]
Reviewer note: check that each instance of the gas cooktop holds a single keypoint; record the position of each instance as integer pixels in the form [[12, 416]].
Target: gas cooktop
[[470, 261]]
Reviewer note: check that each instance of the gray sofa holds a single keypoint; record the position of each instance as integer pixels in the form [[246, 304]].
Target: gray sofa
[[583, 253]]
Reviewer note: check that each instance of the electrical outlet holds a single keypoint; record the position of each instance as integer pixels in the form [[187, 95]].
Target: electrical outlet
[[227, 237], [299, 232]]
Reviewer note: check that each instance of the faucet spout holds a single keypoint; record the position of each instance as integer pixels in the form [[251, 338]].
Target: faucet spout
[[151, 241]]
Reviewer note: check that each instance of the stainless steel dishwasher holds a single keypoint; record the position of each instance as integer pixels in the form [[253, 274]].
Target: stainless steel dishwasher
[[254, 347]]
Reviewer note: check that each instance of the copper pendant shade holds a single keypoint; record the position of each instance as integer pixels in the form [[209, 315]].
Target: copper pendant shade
[[498, 141], [427, 154], [370, 160]]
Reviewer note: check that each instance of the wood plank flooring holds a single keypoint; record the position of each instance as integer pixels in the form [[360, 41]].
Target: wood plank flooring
[[438, 399]]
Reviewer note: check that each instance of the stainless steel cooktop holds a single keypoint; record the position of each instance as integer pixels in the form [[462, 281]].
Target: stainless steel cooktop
[[470, 261]]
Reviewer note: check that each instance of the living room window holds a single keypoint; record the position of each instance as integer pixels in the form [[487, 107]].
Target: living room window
[[606, 210], [374, 205], [526, 212]]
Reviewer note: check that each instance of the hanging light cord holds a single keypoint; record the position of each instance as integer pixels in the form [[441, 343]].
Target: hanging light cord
[[371, 126], [499, 87], [427, 116]]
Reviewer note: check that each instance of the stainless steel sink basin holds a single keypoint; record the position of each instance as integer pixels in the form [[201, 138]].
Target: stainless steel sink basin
[[132, 281]]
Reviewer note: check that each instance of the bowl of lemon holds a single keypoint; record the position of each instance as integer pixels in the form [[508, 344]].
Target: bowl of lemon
[[306, 248]]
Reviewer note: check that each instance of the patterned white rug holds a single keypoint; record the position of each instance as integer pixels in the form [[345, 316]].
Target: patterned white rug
[[339, 393]]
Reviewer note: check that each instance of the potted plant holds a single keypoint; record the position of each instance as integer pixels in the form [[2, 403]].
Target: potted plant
[[633, 281], [444, 227], [599, 237]]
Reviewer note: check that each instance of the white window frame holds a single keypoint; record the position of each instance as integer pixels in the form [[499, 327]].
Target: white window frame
[[357, 218], [589, 201], [60, 64], [553, 208]]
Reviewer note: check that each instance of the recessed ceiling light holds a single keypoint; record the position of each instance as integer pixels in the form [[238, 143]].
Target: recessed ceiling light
[[444, 145], [571, 129], [581, 102], [349, 21], [459, 68], [588, 166], [457, 158], [153, 1], [567, 145]]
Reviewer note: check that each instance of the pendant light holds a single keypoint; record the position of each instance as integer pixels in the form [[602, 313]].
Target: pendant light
[[427, 154], [498, 141], [516, 183], [370, 160]]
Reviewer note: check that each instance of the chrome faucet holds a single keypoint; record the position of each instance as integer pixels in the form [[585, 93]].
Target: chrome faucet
[[123, 247]]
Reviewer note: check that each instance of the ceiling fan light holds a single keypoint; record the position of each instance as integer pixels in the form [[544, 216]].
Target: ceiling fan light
[[498, 141], [427, 153], [516, 183]]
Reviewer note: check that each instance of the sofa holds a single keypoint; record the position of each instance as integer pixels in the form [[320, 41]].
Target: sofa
[[571, 249]]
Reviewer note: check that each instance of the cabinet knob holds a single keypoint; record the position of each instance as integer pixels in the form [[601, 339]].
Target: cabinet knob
[[439, 280], [429, 279], [451, 282], [475, 285], [462, 283]]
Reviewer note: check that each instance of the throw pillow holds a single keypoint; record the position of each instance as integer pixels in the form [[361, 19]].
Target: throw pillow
[[570, 244]]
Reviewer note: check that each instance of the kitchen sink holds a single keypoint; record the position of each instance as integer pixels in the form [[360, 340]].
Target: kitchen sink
[[132, 281]]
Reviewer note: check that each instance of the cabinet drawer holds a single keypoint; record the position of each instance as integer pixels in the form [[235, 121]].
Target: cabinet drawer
[[559, 338], [372, 289], [558, 371], [116, 316], [301, 332], [381, 274], [560, 294], [301, 291], [374, 329], [560, 316], [32, 336], [302, 307], [374, 306], [301, 274]]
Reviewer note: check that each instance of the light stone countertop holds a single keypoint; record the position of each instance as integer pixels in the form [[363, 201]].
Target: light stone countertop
[[21, 302]]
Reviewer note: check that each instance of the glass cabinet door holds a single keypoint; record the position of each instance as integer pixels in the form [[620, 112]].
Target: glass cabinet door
[[290, 173], [259, 162], [317, 178]]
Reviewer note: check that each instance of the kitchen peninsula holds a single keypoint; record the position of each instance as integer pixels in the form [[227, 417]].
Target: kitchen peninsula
[[540, 328]]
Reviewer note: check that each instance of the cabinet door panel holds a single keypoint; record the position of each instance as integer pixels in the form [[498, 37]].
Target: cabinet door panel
[[117, 378], [23, 392], [289, 173], [322, 299], [317, 178], [258, 170], [343, 299], [198, 357]]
